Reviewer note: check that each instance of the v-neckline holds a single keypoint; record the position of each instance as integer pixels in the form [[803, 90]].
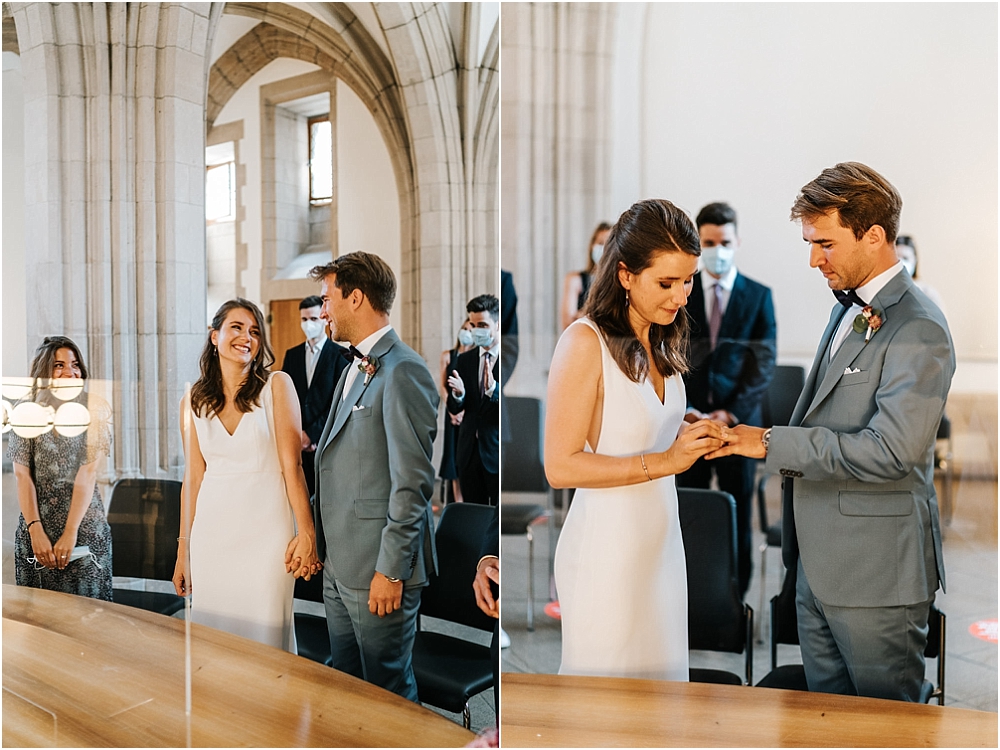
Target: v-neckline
[[231, 434], [663, 401]]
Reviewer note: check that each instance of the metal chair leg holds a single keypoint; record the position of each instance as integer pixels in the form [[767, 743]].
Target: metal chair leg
[[531, 580], [467, 717], [759, 627]]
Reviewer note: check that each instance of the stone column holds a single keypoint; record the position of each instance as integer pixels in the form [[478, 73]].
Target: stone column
[[556, 145], [114, 203]]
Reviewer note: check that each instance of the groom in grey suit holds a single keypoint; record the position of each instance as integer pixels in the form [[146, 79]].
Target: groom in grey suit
[[860, 515], [374, 480]]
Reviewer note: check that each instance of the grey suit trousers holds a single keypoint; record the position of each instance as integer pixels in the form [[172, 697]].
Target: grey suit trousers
[[876, 652], [372, 648]]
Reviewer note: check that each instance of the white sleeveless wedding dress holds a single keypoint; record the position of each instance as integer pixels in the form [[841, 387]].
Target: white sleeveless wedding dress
[[619, 565], [242, 525]]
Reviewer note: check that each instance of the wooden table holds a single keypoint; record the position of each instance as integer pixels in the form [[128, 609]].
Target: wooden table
[[81, 672], [542, 710]]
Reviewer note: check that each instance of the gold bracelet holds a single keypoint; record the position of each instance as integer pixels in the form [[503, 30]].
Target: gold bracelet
[[182, 539], [642, 460]]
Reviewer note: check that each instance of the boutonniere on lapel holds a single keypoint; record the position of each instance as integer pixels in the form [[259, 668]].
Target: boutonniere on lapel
[[369, 366], [870, 319]]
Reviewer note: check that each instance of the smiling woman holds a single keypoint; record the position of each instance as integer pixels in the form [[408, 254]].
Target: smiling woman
[[243, 474]]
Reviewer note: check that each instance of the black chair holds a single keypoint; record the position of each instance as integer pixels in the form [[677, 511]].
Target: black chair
[[145, 518], [311, 634], [784, 630], [718, 619], [450, 670], [523, 472], [777, 406]]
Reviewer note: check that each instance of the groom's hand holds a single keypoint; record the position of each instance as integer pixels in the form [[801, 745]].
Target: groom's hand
[[384, 596], [743, 440]]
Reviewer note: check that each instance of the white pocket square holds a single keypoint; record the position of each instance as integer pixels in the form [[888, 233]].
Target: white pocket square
[[357, 408], [849, 371]]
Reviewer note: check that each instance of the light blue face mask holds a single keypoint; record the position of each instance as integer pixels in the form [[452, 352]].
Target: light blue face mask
[[717, 260], [465, 337], [482, 337]]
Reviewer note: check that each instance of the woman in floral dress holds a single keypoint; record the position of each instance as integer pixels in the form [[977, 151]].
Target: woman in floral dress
[[61, 508]]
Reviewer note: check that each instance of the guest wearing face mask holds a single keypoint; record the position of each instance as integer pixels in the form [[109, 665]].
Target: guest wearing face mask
[[448, 472], [314, 366], [577, 284], [474, 389], [906, 251], [732, 360]]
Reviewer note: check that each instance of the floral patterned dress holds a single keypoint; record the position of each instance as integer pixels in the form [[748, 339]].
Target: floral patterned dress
[[54, 461]]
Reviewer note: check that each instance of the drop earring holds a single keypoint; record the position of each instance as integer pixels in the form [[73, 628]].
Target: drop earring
[[626, 298]]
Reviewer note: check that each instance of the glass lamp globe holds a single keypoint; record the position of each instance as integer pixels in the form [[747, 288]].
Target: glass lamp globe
[[66, 389], [15, 389], [7, 408], [71, 419], [29, 420]]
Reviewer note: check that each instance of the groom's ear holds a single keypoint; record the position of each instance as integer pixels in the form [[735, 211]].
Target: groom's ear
[[875, 236]]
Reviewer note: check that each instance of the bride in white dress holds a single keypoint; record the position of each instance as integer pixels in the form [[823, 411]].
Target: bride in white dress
[[243, 487], [615, 430]]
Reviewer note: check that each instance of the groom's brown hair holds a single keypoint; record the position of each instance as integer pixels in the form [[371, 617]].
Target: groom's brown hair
[[861, 197], [364, 271]]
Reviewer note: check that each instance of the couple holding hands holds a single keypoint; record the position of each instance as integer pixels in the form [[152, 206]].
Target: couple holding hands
[[859, 509], [370, 530]]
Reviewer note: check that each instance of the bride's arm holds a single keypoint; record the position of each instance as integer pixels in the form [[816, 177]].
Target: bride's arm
[[300, 557], [194, 472], [573, 412]]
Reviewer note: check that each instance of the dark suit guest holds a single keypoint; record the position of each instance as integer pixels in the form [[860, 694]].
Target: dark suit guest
[[314, 366], [508, 344], [732, 361], [474, 389]]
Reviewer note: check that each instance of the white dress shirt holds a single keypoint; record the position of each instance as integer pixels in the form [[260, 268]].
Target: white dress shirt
[[867, 293], [364, 347]]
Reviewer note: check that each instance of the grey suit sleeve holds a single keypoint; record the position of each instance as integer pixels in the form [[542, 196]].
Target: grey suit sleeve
[[915, 377], [410, 415]]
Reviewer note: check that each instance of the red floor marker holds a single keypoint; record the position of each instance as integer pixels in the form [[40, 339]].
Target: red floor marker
[[985, 630], [552, 610]]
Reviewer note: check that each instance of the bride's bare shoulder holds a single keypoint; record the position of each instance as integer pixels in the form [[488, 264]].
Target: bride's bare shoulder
[[579, 345]]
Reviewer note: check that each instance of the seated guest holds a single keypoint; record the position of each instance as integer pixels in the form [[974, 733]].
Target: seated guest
[[474, 390], [314, 366], [732, 362]]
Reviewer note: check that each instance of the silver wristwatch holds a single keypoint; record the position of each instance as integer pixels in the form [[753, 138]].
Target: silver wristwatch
[[766, 439]]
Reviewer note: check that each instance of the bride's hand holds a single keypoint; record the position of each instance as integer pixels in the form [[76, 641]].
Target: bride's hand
[[694, 441], [744, 440], [301, 558]]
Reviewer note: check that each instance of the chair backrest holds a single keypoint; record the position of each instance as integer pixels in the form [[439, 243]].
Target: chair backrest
[[717, 617], [523, 470], [784, 620], [145, 518], [459, 541], [782, 394], [311, 590]]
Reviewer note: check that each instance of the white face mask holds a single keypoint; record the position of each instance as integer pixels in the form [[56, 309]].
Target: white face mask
[[465, 337], [910, 266], [482, 337], [717, 260], [596, 252], [313, 328]]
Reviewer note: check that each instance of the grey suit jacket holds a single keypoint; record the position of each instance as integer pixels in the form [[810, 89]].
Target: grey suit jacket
[[859, 504], [374, 475]]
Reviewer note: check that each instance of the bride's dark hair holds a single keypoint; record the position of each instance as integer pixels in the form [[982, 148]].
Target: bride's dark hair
[[647, 229], [207, 394]]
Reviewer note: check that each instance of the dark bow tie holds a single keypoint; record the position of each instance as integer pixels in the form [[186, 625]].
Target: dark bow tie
[[351, 353], [849, 298]]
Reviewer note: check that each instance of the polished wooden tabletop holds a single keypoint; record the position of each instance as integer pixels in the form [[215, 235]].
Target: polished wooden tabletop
[[544, 710], [82, 672]]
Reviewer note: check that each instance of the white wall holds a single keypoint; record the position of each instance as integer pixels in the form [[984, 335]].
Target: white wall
[[748, 102], [15, 304], [245, 106], [365, 187]]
